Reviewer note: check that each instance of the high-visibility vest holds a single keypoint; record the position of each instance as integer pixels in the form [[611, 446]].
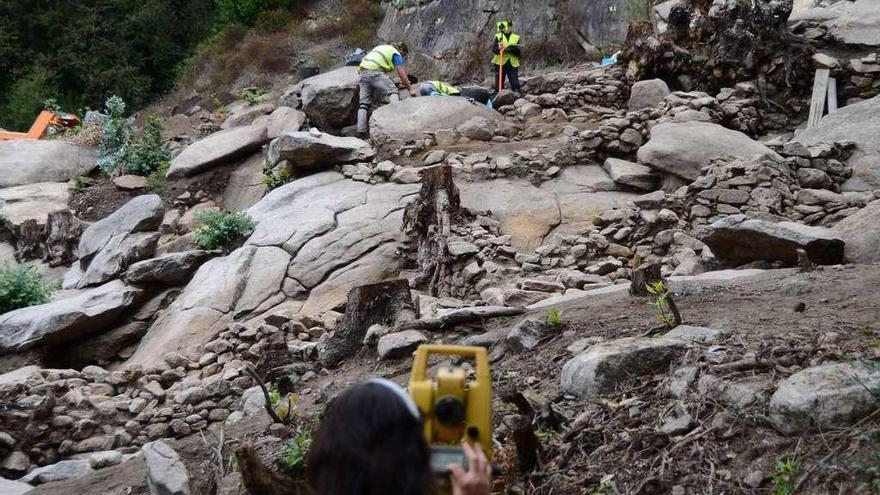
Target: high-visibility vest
[[380, 58], [511, 39], [444, 89]]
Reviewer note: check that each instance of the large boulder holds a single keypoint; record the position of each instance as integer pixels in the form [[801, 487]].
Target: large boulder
[[330, 100], [9, 487], [314, 150], [141, 214], [739, 239], [827, 396], [682, 149], [861, 234], [67, 319], [166, 472], [859, 123], [315, 239], [114, 258], [646, 94], [631, 174], [32, 202], [854, 22], [245, 186], [169, 269], [31, 161], [62, 470], [602, 367], [218, 149], [411, 119], [282, 120]]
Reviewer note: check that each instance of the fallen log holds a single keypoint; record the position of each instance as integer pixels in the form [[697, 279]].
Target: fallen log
[[460, 316]]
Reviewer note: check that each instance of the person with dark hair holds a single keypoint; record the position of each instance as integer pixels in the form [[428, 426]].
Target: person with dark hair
[[375, 86], [507, 47], [371, 442]]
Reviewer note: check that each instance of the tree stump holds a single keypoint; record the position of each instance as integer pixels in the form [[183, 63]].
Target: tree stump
[[644, 275], [64, 231], [29, 243], [258, 478], [384, 303], [429, 219]]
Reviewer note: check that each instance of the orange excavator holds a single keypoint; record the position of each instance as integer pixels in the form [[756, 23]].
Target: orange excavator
[[45, 120]]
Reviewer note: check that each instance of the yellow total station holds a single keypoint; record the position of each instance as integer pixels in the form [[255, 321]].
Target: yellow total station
[[455, 408]]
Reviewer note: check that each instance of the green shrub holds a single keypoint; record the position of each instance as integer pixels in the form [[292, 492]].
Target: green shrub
[[22, 286], [156, 179], [273, 179], [784, 476], [293, 453], [116, 135], [246, 11], [275, 21], [25, 98], [150, 151], [220, 228], [251, 96]]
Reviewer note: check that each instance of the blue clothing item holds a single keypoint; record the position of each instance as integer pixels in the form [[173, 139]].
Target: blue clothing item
[[397, 59]]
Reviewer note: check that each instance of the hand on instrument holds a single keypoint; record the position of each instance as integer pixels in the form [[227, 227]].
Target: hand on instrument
[[478, 478]]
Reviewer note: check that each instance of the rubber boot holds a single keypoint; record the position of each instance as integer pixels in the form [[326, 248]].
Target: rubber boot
[[363, 125]]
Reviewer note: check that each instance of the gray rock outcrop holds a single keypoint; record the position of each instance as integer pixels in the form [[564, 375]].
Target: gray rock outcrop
[[316, 150], [166, 473], [631, 174], [217, 149], [66, 319], [141, 214], [169, 269], [602, 367], [861, 233], [739, 239], [825, 396], [682, 149], [114, 258], [9, 487], [62, 470], [330, 100], [411, 119], [400, 344], [32, 202], [31, 161]]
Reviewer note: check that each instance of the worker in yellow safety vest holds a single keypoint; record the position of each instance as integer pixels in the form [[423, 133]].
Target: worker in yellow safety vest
[[376, 88], [434, 88], [508, 61]]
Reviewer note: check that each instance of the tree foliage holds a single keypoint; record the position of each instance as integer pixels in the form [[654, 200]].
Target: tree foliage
[[81, 52]]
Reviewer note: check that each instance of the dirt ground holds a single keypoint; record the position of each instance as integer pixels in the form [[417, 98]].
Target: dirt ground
[[613, 445]]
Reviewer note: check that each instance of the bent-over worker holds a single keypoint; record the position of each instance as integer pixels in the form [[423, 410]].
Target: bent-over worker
[[376, 88]]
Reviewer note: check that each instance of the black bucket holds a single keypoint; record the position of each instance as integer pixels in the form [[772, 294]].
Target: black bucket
[[307, 72]]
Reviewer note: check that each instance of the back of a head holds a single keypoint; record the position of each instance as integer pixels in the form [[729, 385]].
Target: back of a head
[[369, 443], [402, 47]]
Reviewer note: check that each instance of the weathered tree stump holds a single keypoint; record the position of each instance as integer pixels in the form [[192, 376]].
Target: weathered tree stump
[[258, 478], [429, 219], [64, 231], [29, 243], [642, 277], [385, 303]]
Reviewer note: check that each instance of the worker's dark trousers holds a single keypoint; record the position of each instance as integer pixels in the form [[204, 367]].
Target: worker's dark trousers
[[511, 74]]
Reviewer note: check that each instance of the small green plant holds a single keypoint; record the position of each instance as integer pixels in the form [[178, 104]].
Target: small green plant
[[79, 183], [22, 286], [156, 179], [274, 179], [293, 453], [150, 151], [783, 476], [116, 135], [219, 228], [553, 317], [283, 405], [660, 300], [251, 96]]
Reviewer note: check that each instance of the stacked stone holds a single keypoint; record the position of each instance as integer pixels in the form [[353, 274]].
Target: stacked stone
[[864, 79], [62, 413], [623, 134]]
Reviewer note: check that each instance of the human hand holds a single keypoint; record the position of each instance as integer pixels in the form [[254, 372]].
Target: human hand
[[478, 479], [413, 92]]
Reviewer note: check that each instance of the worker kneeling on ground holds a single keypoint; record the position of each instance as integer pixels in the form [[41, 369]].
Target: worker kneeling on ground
[[440, 88], [376, 88], [507, 49]]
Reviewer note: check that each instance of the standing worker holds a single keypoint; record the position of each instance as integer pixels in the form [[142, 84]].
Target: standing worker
[[376, 88], [507, 49]]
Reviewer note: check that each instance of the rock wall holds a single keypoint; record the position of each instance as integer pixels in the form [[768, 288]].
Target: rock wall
[[450, 38]]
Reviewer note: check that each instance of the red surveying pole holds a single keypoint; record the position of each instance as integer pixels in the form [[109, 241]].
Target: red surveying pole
[[500, 66]]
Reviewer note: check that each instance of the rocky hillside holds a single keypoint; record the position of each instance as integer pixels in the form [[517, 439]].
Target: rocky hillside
[[677, 287]]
